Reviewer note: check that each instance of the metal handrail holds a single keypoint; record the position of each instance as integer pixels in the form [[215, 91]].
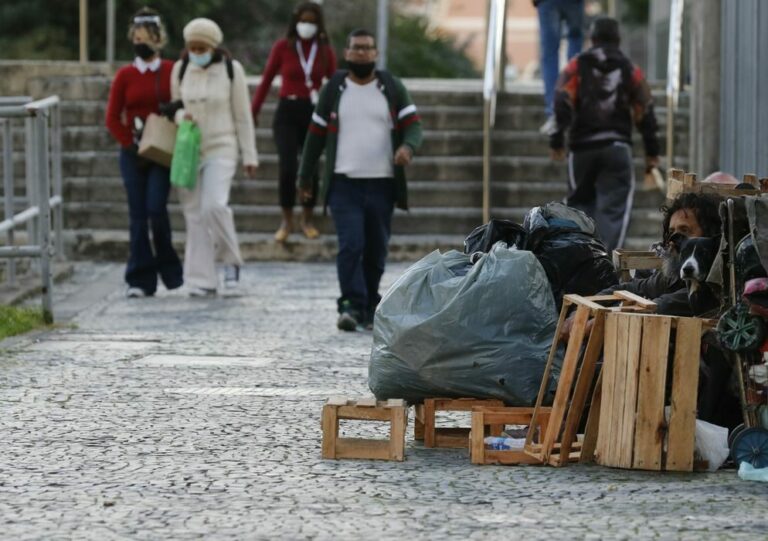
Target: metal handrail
[[674, 58], [42, 151], [492, 83]]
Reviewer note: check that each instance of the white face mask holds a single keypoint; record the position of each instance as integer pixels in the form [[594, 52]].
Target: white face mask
[[306, 30]]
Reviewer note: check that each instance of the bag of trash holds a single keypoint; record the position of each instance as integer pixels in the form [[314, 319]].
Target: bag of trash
[[564, 241], [447, 328], [485, 236]]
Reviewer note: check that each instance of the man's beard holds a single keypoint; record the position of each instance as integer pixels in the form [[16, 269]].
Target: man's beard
[[671, 264]]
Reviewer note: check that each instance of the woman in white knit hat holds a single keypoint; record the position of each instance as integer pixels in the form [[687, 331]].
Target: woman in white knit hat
[[213, 93]]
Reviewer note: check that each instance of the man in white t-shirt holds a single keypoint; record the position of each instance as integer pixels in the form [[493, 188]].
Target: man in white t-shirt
[[369, 129]]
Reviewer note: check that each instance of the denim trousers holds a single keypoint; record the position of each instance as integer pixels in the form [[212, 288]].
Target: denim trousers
[[552, 15], [147, 186], [362, 213]]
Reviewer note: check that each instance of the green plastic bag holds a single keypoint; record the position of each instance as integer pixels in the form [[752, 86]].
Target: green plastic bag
[[186, 155]]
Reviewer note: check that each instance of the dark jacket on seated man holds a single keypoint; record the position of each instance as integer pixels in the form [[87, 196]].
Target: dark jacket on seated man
[[669, 294]]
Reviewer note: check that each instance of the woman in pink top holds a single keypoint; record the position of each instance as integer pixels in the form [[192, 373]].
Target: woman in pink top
[[302, 58]]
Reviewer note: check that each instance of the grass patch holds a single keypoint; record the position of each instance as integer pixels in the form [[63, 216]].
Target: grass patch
[[14, 320]]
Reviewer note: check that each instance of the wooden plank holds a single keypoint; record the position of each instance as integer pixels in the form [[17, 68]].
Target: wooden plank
[[363, 449], [452, 438], [397, 433], [511, 457], [418, 422], [337, 401], [330, 431], [363, 414], [395, 403], [637, 299], [751, 178], [593, 423], [583, 383], [567, 375], [685, 382], [477, 437], [650, 424], [608, 378], [465, 404], [584, 301], [630, 392], [366, 402], [544, 386], [429, 422], [619, 390], [689, 180]]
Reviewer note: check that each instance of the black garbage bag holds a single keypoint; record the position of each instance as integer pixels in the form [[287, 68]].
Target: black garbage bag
[[485, 236], [563, 239], [447, 328]]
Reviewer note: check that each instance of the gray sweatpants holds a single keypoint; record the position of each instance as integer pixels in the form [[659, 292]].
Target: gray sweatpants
[[602, 184]]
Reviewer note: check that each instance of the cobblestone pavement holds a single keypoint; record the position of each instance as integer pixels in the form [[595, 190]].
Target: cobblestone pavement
[[179, 418]]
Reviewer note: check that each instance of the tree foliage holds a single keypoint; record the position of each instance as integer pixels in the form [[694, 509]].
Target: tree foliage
[[31, 29]]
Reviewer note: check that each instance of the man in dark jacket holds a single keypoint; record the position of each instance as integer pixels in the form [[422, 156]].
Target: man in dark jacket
[[599, 94], [369, 128]]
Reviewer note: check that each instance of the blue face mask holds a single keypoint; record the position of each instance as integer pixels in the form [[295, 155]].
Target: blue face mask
[[201, 60]]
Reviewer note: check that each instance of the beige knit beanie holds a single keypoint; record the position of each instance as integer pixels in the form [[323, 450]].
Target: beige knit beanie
[[203, 30]]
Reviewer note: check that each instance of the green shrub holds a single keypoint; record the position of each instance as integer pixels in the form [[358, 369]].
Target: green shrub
[[14, 320]]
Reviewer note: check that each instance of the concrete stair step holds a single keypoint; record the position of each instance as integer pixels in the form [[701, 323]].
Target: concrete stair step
[[424, 91], [104, 163], [425, 193], [264, 219], [112, 245], [436, 142]]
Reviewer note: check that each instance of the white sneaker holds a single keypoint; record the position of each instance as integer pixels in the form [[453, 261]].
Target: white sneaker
[[549, 127], [135, 293], [193, 291]]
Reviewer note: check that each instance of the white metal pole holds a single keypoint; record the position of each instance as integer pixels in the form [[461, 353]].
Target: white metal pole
[[110, 31], [382, 32], [83, 31]]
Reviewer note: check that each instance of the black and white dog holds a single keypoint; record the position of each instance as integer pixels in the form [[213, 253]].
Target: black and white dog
[[696, 256]]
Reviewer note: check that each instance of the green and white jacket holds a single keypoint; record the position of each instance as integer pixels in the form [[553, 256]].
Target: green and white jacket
[[324, 129]]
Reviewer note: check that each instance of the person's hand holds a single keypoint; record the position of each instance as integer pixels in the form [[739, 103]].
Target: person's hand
[[557, 154], [189, 117], [651, 162], [404, 155], [305, 195], [565, 332], [250, 170]]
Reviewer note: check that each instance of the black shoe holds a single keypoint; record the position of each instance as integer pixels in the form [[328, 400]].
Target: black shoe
[[348, 317]]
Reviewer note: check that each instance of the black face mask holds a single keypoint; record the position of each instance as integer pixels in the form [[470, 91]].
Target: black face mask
[[361, 70], [144, 51]]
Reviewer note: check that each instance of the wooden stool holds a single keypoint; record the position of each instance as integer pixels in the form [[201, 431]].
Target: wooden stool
[[424, 426], [366, 409], [483, 417]]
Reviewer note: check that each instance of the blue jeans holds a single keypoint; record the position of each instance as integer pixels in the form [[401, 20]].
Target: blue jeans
[[362, 213], [552, 15], [147, 186]]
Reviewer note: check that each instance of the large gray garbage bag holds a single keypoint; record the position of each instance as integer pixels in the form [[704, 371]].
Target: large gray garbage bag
[[447, 328]]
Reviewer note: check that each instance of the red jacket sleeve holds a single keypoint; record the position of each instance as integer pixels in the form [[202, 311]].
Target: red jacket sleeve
[[115, 106], [270, 70]]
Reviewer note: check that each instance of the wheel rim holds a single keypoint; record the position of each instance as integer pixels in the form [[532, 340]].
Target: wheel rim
[[739, 330], [735, 432], [751, 446]]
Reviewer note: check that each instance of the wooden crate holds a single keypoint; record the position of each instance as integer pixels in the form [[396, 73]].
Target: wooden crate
[[484, 418], [678, 181], [633, 431], [395, 412], [424, 425], [628, 260], [559, 443]]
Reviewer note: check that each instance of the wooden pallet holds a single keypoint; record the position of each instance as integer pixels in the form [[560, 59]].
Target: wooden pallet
[[678, 181], [629, 260], [633, 431], [485, 417], [559, 443], [456, 438], [395, 412]]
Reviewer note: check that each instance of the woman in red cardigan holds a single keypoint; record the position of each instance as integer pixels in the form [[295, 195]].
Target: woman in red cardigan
[[303, 58], [138, 90]]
